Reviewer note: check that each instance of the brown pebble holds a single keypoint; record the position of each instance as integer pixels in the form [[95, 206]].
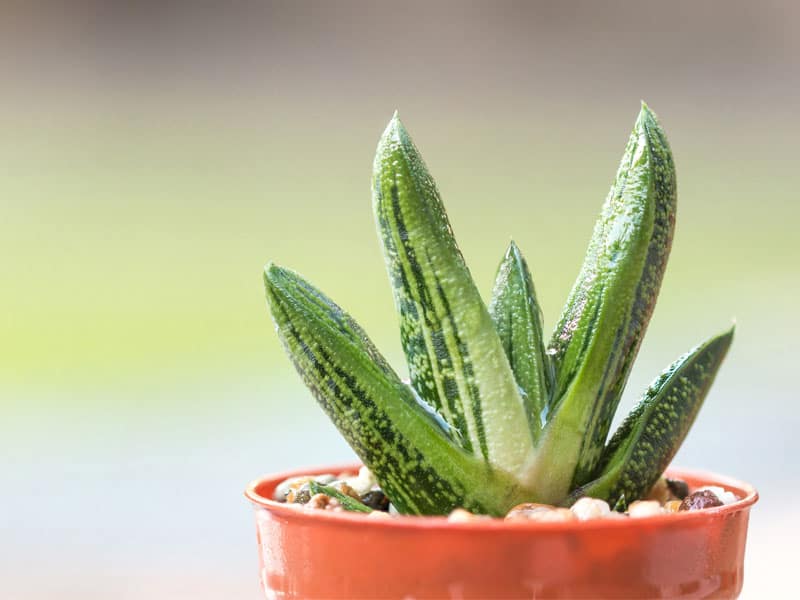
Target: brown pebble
[[346, 489], [700, 500], [660, 492], [324, 502], [678, 488], [527, 510], [319, 501], [672, 506]]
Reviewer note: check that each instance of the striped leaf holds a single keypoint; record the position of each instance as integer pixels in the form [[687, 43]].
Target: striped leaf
[[608, 310], [648, 439], [400, 439], [456, 361], [517, 318]]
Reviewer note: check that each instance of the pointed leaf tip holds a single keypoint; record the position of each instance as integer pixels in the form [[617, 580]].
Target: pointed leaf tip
[[456, 360], [647, 116], [394, 129], [646, 110], [270, 272], [726, 337], [274, 274], [517, 318], [606, 315], [394, 136], [650, 436], [377, 414]]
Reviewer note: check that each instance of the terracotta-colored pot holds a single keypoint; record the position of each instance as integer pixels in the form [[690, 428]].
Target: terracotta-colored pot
[[319, 554]]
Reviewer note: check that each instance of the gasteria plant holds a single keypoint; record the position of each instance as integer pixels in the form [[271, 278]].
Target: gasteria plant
[[493, 416]]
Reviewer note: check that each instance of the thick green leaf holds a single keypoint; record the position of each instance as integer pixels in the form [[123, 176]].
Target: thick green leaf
[[405, 444], [605, 318], [517, 318], [456, 361], [648, 439]]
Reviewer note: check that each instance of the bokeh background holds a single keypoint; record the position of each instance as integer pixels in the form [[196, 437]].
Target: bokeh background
[[154, 155]]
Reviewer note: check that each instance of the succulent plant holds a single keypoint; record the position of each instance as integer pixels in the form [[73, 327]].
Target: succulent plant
[[493, 414]]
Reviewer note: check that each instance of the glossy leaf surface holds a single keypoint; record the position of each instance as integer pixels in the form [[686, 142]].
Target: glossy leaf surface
[[455, 358], [405, 445], [651, 435], [608, 310], [517, 318]]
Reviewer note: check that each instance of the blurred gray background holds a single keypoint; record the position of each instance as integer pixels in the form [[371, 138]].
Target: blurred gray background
[[154, 155]]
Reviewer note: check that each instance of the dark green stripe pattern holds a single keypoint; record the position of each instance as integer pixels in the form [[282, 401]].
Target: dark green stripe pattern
[[652, 433], [517, 317], [608, 310], [455, 358], [491, 417], [665, 204], [408, 449]]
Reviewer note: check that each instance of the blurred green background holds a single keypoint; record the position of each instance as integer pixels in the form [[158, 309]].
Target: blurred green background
[[154, 156]]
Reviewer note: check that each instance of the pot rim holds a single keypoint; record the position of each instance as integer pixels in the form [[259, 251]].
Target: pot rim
[[296, 512]]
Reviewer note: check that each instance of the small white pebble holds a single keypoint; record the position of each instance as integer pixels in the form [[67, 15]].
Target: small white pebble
[[587, 508], [379, 514], [555, 515], [284, 487], [644, 508], [363, 482], [724, 495], [460, 515]]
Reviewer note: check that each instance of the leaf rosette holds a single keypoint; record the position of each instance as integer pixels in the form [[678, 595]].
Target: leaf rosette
[[493, 414]]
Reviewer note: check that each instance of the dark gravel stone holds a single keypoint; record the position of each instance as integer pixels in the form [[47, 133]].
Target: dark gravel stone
[[303, 494], [700, 500], [376, 500]]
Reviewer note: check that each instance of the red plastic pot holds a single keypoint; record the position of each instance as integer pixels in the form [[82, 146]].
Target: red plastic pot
[[319, 554]]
